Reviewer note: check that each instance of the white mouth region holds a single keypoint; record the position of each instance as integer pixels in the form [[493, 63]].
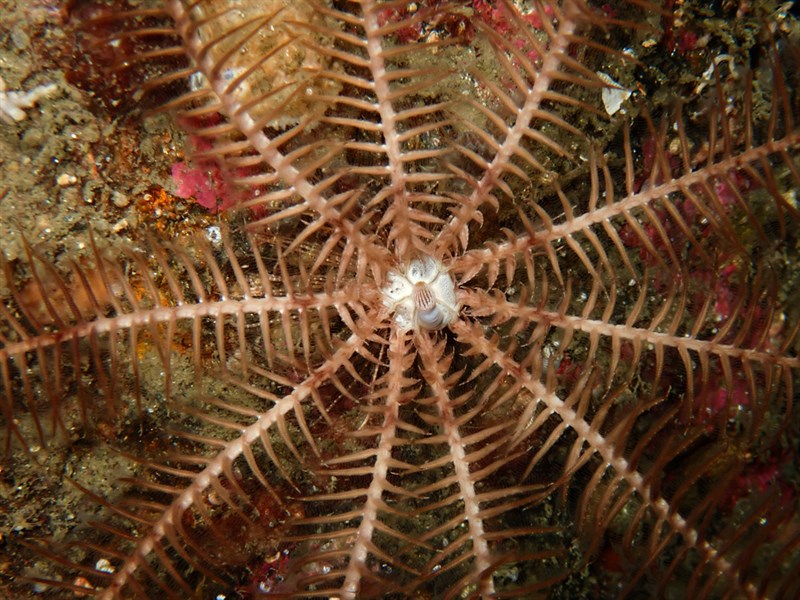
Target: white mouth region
[[422, 297]]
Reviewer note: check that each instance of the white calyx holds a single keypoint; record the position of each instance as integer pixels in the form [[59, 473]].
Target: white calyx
[[421, 297]]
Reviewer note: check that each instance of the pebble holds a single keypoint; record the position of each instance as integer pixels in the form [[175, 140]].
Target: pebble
[[66, 179], [120, 200]]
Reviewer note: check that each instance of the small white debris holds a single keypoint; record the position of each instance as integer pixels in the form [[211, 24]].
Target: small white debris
[[13, 103], [104, 565], [214, 234], [66, 179], [613, 96], [708, 75]]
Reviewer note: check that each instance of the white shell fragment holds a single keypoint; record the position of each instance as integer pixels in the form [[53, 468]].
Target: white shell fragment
[[613, 96], [13, 103], [423, 297]]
